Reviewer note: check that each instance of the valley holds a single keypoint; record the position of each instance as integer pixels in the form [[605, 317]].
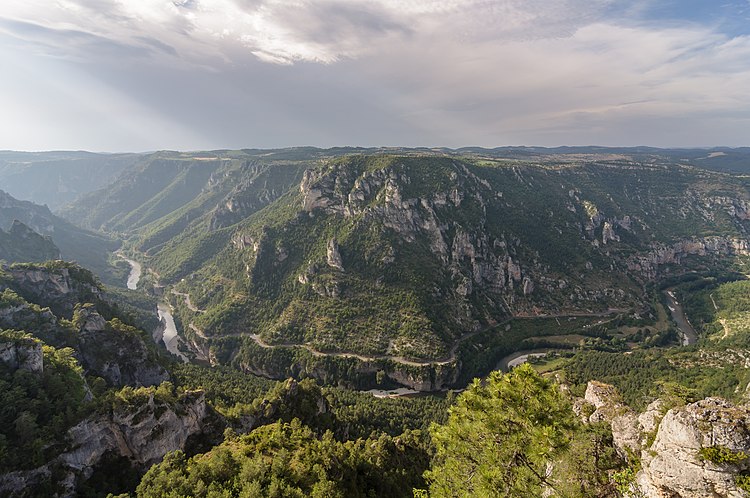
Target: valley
[[313, 265], [202, 295], [359, 292]]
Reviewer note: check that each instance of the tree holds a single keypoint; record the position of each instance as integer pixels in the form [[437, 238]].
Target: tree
[[502, 438]]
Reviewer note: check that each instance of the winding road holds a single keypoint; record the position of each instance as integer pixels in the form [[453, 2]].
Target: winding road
[[396, 359], [171, 336]]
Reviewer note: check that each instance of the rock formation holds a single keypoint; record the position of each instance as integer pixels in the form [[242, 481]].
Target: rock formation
[[673, 467], [142, 433], [675, 448], [23, 354], [120, 357], [333, 256]]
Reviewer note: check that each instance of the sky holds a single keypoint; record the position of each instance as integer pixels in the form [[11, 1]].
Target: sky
[[140, 75]]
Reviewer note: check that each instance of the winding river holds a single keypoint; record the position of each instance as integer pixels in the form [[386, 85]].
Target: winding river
[[170, 337], [520, 357], [135, 272]]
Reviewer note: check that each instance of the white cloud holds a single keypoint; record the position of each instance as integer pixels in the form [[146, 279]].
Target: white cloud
[[286, 31], [435, 72]]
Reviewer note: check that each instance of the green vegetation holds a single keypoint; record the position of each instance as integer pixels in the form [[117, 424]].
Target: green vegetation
[[454, 259], [429, 243], [289, 459], [721, 455], [350, 415], [501, 436], [37, 407]]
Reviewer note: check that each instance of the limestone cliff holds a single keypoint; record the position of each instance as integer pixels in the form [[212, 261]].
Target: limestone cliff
[[402, 256], [37, 299], [116, 353], [57, 285], [673, 466], [23, 354], [142, 433], [675, 448]]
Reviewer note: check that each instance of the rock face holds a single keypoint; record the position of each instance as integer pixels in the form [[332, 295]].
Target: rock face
[[659, 255], [608, 233], [253, 186], [463, 243], [60, 287], [120, 357], [672, 467], [142, 433], [333, 256], [113, 351], [25, 354], [626, 431]]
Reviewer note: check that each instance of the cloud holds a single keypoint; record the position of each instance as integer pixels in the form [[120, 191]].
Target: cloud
[[288, 31], [235, 73]]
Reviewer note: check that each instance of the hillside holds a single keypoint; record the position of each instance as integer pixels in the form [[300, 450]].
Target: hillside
[[22, 244], [341, 267], [86, 247], [57, 178]]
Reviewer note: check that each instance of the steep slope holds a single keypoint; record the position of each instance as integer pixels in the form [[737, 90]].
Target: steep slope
[[404, 262], [21, 243], [88, 248], [65, 353], [177, 186], [401, 256], [64, 306]]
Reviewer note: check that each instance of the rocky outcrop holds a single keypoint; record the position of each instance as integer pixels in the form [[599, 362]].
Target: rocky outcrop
[[608, 233], [142, 433], [648, 264], [672, 466], [333, 256], [118, 355], [670, 445], [111, 350], [473, 259], [426, 378], [626, 430], [60, 286], [23, 354]]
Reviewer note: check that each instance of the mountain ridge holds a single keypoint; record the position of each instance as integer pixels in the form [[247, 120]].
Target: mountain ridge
[[389, 255]]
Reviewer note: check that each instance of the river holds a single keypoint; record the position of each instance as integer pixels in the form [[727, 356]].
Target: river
[[689, 335], [135, 272], [520, 357], [170, 337]]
